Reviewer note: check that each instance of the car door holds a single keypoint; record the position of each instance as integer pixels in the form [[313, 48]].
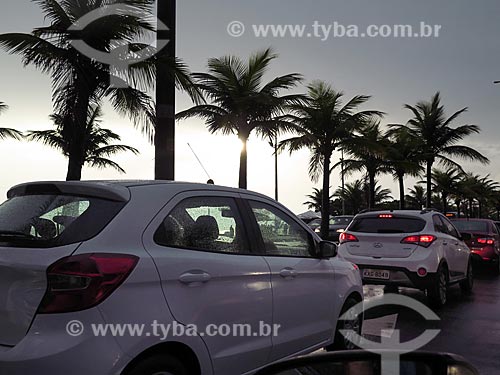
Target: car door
[[460, 249], [304, 298], [210, 277]]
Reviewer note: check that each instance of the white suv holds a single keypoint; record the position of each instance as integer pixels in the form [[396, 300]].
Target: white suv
[[416, 249], [143, 278]]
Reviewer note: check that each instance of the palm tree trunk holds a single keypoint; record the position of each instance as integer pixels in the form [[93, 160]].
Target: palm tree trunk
[[164, 140], [445, 202], [74, 169], [243, 162], [480, 213], [457, 203], [401, 191], [429, 183], [371, 197], [325, 202]]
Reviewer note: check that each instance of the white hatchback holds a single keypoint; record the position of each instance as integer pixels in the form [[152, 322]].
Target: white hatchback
[[416, 249], [143, 278]]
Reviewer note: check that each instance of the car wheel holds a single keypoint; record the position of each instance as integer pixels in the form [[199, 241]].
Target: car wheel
[[496, 267], [353, 324], [468, 283], [159, 365], [438, 293]]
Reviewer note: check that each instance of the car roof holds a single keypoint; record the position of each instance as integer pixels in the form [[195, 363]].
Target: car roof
[[114, 189], [472, 219], [420, 213]]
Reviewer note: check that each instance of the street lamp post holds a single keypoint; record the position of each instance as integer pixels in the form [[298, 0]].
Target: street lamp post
[[165, 95]]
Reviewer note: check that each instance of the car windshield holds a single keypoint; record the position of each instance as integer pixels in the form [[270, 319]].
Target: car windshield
[[471, 226], [53, 220], [340, 220], [387, 225]]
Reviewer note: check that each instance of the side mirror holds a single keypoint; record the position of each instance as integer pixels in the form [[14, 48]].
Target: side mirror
[[465, 236], [366, 363], [326, 249]]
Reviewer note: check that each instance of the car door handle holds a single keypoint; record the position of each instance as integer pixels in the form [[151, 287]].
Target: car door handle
[[288, 273], [194, 277]]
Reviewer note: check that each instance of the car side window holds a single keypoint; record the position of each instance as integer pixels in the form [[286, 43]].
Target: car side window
[[438, 224], [282, 235], [450, 228], [204, 223], [495, 229]]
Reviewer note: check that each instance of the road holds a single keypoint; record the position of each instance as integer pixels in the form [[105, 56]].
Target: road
[[470, 325]]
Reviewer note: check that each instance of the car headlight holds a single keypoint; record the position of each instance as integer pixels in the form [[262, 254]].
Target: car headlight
[[340, 230], [317, 230]]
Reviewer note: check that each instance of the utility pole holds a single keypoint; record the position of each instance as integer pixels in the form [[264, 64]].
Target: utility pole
[[165, 95], [343, 180], [276, 192]]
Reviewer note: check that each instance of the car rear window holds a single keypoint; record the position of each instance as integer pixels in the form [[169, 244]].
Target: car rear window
[[387, 225], [53, 220], [471, 226]]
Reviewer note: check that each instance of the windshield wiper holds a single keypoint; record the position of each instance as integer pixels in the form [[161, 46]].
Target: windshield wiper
[[16, 234]]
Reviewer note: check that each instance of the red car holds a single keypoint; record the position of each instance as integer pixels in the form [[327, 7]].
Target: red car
[[485, 241]]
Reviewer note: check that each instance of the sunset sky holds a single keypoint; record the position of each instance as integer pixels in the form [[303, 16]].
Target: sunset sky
[[462, 63]]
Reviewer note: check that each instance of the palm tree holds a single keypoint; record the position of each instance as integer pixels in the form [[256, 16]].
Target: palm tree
[[315, 200], [404, 158], [353, 195], [96, 142], [416, 198], [79, 81], [445, 183], [367, 153], [241, 103], [322, 123], [7, 132], [437, 139]]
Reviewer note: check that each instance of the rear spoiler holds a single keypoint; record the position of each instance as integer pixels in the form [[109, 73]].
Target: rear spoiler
[[112, 192]]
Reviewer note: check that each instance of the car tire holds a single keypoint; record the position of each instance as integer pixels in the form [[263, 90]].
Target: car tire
[[468, 283], [159, 365], [356, 325], [496, 267], [438, 293]]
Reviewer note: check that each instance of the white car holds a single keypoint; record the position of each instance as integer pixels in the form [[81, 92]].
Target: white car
[[416, 249], [85, 265]]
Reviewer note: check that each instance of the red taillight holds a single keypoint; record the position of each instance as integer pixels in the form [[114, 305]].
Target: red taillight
[[347, 237], [486, 241], [80, 282], [385, 216], [424, 240]]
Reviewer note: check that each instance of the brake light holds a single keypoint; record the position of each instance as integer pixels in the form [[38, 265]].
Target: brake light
[[347, 237], [385, 216], [424, 240], [486, 241], [80, 282]]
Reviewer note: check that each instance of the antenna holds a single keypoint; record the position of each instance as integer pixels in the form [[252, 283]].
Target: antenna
[[199, 161]]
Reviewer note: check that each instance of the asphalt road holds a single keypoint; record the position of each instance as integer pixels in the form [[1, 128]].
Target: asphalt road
[[470, 325]]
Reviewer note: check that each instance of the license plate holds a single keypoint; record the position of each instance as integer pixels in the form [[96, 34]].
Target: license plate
[[376, 274]]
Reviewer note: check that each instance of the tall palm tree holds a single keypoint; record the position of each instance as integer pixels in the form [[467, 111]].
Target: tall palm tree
[[241, 103], [368, 154], [79, 81], [315, 201], [322, 122], [404, 158], [8, 132], [438, 140], [96, 141]]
